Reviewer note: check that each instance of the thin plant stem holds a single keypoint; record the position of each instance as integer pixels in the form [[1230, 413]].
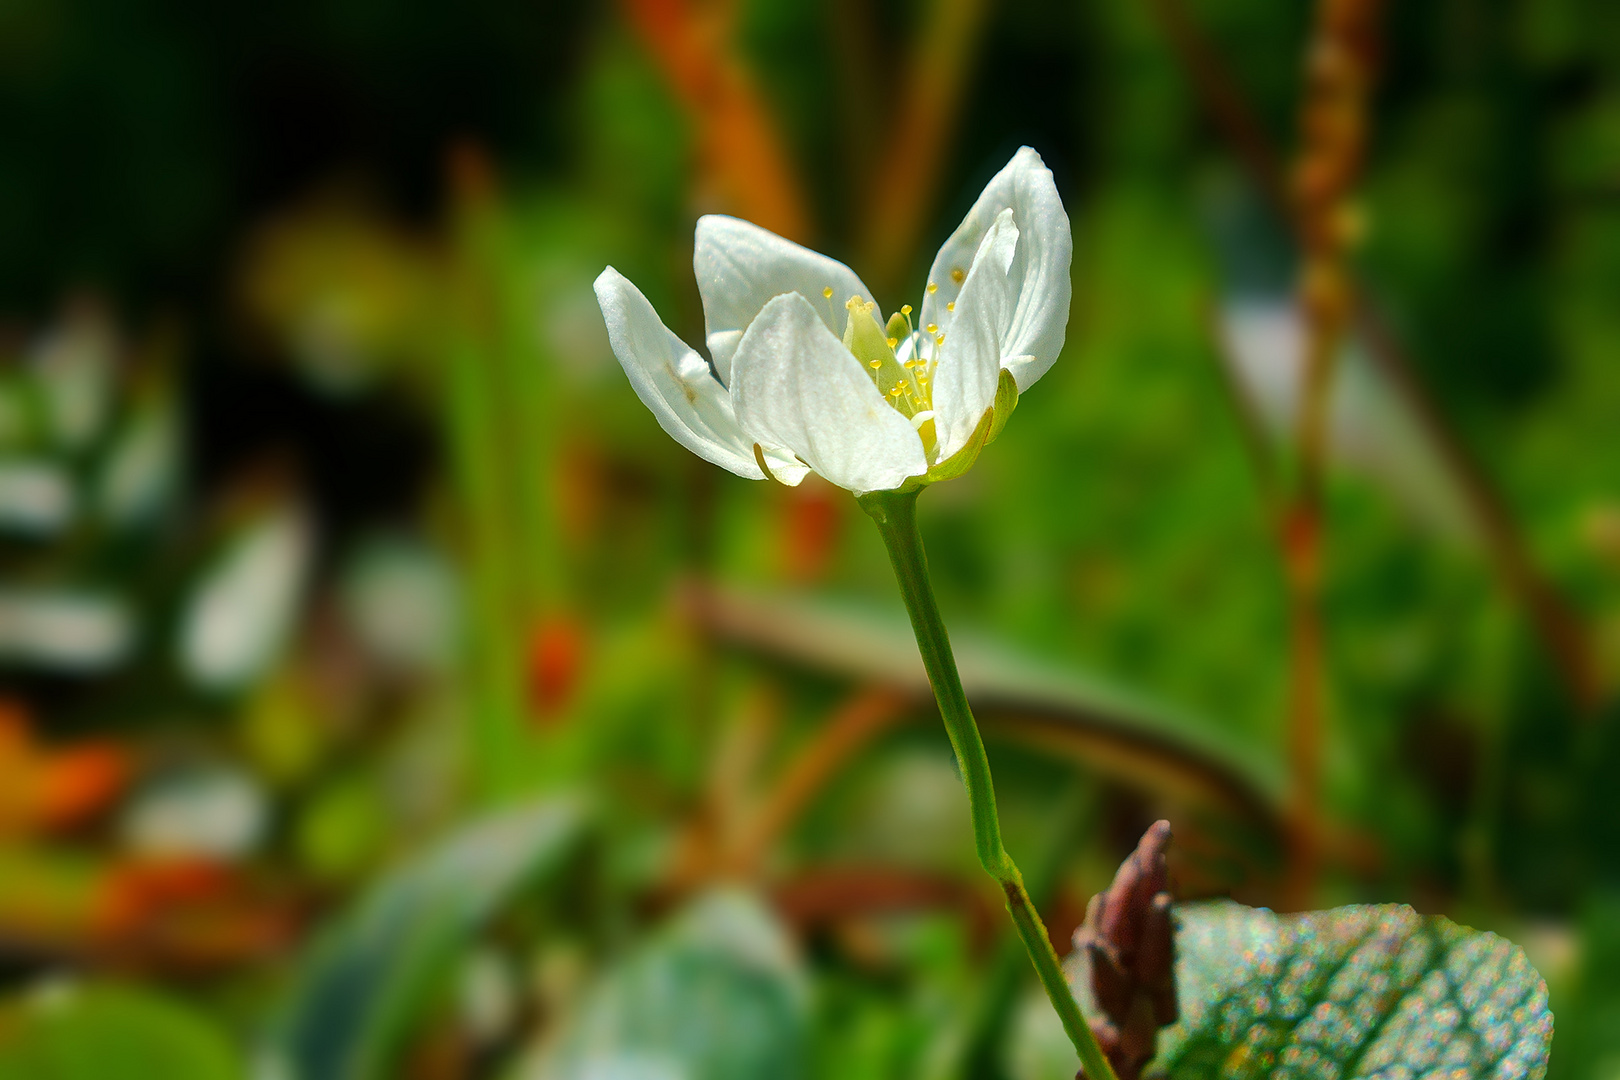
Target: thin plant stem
[[1557, 626], [849, 730], [469, 397], [896, 515], [997, 987], [903, 190], [1333, 123]]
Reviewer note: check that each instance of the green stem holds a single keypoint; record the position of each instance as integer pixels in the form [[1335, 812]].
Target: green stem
[[896, 515]]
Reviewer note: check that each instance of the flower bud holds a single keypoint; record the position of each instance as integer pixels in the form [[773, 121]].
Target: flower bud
[[1129, 942]]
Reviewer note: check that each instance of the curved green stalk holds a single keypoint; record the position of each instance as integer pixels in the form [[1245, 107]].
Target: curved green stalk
[[896, 515]]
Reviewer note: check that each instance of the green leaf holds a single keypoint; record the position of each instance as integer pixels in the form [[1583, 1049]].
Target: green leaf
[[1362, 991], [372, 973], [94, 1032], [719, 994]]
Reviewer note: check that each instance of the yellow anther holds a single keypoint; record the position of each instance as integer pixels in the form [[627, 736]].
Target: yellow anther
[[958, 274], [910, 364], [827, 292], [940, 340], [951, 306], [896, 392], [892, 341], [932, 288], [874, 364], [933, 328], [905, 309]]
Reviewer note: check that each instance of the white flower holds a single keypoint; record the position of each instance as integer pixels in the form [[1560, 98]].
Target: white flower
[[806, 375]]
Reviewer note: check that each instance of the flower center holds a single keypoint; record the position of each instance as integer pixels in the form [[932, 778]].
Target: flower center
[[900, 358]]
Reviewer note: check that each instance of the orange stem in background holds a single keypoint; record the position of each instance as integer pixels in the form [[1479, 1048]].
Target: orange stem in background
[[851, 729], [1226, 103], [1333, 134], [1306, 702], [734, 834], [742, 165], [1561, 633], [905, 187]]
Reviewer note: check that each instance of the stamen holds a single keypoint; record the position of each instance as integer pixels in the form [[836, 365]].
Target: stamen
[[951, 306], [892, 341], [827, 292], [933, 328], [958, 274], [940, 340], [911, 331], [874, 364], [932, 288]]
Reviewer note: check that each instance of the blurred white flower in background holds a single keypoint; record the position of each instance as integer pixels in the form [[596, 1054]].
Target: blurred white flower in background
[[73, 366], [66, 630], [140, 474], [36, 497], [243, 608], [1372, 431], [399, 596], [206, 810]]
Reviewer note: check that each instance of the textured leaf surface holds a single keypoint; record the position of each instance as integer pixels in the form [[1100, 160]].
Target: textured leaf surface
[[719, 995], [376, 967], [93, 1033], [1363, 991]]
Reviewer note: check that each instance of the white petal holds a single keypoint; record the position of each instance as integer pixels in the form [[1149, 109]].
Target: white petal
[[1039, 275], [970, 360], [740, 266], [672, 380], [795, 385]]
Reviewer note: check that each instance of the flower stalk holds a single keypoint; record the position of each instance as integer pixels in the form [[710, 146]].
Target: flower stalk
[[895, 513]]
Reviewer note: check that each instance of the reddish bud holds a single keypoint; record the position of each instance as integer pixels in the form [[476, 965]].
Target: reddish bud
[[1129, 941]]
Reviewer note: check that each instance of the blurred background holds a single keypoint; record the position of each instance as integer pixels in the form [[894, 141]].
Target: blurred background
[[383, 694]]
